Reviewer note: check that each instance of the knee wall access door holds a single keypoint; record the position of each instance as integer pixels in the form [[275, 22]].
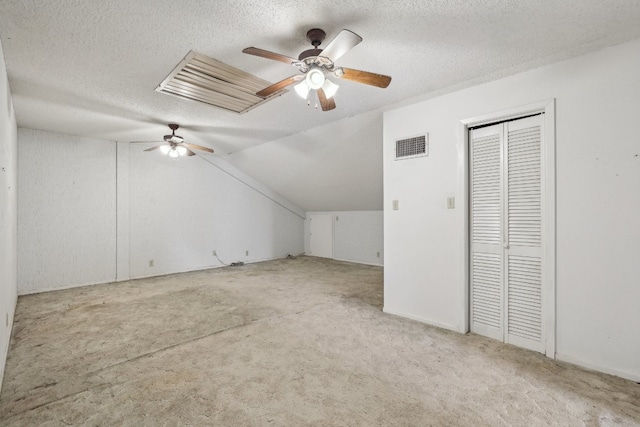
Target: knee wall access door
[[321, 235], [506, 227]]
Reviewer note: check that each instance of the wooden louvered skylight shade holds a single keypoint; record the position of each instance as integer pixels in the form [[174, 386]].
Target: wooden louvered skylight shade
[[203, 79]]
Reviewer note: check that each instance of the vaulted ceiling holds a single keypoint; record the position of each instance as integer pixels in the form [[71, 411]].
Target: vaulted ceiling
[[91, 69]]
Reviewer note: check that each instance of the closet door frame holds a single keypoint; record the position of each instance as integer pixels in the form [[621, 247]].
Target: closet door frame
[[548, 196]]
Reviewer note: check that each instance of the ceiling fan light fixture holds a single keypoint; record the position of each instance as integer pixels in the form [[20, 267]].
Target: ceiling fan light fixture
[[181, 150], [329, 88], [302, 89], [165, 149], [315, 78], [174, 153]]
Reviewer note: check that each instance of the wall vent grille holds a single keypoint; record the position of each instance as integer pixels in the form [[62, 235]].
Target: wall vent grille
[[201, 78], [408, 148]]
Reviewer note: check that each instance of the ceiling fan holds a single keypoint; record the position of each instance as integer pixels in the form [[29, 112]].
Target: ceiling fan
[[174, 145], [315, 64]]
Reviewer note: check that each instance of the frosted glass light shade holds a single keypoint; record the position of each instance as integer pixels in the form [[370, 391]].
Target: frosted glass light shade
[[315, 78], [165, 149], [329, 88], [181, 150], [173, 153], [302, 89]]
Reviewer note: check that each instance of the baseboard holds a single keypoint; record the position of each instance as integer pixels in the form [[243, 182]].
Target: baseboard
[[422, 320], [148, 276], [207, 267], [359, 262], [3, 361], [597, 367], [61, 288]]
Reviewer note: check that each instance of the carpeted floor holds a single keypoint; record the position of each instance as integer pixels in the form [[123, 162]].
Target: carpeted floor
[[281, 343]]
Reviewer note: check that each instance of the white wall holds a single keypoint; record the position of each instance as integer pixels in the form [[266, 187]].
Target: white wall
[[66, 211], [8, 214], [357, 236], [598, 227], [93, 211], [337, 166], [180, 211]]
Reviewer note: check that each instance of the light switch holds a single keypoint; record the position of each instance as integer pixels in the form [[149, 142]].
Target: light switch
[[395, 205], [451, 202]]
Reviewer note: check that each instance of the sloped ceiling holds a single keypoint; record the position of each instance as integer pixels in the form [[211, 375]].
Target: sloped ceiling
[[90, 69]]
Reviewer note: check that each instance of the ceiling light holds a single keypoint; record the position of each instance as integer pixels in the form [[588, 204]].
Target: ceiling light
[[302, 89], [329, 88], [165, 149], [173, 153], [315, 78], [181, 150]]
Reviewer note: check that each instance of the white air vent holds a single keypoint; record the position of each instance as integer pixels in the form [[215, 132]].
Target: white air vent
[[203, 79], [408, 148]]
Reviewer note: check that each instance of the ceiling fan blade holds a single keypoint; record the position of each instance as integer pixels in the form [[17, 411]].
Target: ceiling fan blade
[[198, 147], [366, 77], [146, 142], [269, 55], [276, 87], [153, 148], [341, 44], [327, 104], [189, 152]]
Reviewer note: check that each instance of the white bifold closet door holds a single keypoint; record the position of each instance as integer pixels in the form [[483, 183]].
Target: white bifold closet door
[[506, 232]]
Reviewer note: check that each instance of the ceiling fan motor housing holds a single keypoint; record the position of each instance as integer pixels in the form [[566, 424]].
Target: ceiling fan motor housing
[[173, 138], [315, 36]]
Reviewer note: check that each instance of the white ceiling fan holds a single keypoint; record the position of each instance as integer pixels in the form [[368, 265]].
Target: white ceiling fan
[[174, 145]]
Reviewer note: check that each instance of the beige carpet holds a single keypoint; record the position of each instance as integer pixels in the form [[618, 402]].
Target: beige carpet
[[281, 343]]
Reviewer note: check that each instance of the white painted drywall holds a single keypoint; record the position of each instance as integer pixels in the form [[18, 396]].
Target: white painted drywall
[[180, 211], [93, 211], [337, 166], [66, 211], [123, 209], [8, 214], [598, 227], [358, 236]]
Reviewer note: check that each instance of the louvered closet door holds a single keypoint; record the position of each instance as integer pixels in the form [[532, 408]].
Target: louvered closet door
[[486, 268], [523, 251], [506, 215]]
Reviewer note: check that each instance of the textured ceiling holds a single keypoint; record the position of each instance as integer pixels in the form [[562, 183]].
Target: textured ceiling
[[90, 68]]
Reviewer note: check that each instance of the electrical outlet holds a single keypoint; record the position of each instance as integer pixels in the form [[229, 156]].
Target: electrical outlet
[[214, 253], [378, 254], [395, 205], [151, 263], [246, 253]]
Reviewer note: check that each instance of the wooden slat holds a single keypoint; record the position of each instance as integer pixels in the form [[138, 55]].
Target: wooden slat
[[203, 79], [485, 188]]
